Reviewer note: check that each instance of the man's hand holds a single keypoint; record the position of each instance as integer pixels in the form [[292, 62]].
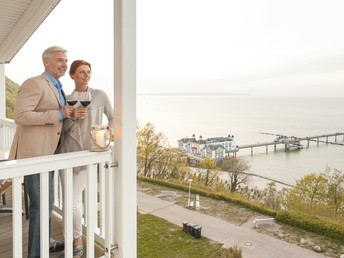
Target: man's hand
[[66, 111]]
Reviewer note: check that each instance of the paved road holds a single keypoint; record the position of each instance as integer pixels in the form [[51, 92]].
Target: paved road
[[252, 243]]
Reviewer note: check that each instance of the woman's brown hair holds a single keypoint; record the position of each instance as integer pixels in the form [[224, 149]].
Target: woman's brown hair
[[76, 64]]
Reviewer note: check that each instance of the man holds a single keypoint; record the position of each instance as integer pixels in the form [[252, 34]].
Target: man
[[39, 112]]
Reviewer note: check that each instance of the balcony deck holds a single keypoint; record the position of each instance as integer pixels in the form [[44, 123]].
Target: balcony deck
[[6, 232]]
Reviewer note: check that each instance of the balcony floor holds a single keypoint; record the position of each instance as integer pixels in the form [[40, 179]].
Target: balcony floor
[[6, 232]]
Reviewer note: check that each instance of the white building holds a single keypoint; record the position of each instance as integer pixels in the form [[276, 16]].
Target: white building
[[214, 148], [214, 152]]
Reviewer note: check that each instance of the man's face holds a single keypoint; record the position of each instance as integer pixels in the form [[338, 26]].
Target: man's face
[[56, 65]]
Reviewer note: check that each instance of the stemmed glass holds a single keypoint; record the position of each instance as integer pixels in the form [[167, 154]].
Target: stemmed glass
[[72, 99], [85, 98]]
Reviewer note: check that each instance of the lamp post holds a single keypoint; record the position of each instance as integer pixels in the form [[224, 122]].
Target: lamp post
[[190, 181]]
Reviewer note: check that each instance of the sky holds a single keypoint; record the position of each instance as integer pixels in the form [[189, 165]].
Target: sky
[[255, 47]]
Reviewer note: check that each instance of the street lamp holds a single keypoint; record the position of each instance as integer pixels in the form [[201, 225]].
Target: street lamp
[[190, 181]]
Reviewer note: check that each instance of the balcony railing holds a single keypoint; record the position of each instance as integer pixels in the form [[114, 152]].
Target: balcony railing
[[7, 130], [97, 202]]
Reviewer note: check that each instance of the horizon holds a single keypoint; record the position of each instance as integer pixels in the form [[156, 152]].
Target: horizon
[[209, 94]]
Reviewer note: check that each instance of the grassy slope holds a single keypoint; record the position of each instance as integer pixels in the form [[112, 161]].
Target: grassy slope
[[161, 239], [11, 95]]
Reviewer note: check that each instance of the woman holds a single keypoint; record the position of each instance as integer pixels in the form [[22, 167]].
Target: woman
[[76, 137]]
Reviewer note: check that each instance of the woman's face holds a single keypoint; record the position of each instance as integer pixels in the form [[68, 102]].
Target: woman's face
[[82, 75]]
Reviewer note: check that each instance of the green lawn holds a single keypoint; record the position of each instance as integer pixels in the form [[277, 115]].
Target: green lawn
[[158, 238]]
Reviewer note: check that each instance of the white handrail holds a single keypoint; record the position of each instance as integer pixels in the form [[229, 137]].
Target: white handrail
[[7, 130], [16, 169]]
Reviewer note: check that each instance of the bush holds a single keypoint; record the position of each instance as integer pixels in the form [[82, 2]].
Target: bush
[[231, 252], [310, 223]]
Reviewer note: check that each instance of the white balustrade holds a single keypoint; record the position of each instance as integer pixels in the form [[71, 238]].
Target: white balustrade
[[99, 182], [7, 130]]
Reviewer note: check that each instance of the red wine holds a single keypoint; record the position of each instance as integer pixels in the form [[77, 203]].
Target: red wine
[[72, 102], [85, 103]]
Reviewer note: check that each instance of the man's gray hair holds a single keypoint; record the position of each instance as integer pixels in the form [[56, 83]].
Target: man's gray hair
[[47, 53]]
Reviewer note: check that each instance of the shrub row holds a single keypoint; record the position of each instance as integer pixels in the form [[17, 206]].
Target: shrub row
[[301, 220], [226, 196], [314, 224]]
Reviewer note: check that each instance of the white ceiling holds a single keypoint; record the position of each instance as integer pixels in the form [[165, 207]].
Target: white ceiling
[[18, 21]]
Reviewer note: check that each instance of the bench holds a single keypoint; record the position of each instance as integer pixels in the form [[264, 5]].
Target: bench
[[168, 193], [263, 221]]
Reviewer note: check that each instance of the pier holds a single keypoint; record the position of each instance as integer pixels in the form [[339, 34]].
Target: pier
[[292, 142], [288, 142]]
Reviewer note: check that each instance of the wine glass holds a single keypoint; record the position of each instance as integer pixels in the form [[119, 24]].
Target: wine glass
[[72, 99], [85, 98]]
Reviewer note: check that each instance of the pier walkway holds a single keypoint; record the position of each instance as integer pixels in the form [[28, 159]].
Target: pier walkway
[[292, 142]]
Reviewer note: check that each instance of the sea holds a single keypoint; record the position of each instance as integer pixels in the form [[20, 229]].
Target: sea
[[251, 120]]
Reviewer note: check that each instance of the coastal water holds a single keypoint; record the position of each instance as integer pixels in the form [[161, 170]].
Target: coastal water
[[251, 120]]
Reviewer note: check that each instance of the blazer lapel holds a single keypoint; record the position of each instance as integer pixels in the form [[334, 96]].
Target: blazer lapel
[[53, 89], [64, 96]]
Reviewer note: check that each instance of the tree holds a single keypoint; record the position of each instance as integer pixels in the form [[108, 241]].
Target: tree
[[273, 198], [170, 165], [309, 193], [237, 169], [335, 190], [155, 158], [318, 194], [210, 176], [150, 147]]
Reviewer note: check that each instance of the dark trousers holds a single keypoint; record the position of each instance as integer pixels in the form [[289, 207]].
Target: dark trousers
[[33, 186]]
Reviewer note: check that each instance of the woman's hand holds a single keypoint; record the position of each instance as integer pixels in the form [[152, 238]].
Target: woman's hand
[[79, 112]]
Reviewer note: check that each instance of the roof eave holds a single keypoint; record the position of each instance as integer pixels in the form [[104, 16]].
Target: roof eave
[[31, 19]]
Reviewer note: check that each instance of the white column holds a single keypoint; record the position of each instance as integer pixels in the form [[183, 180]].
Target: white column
[[2, 92], [125, 202]]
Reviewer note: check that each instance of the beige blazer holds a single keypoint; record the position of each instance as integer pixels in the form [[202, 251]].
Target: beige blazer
[[38, 128]]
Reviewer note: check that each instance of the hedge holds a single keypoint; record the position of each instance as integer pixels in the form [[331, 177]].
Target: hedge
[[314, 224]]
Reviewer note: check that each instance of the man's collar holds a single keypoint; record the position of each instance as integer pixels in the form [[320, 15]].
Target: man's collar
[[52, 79]]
